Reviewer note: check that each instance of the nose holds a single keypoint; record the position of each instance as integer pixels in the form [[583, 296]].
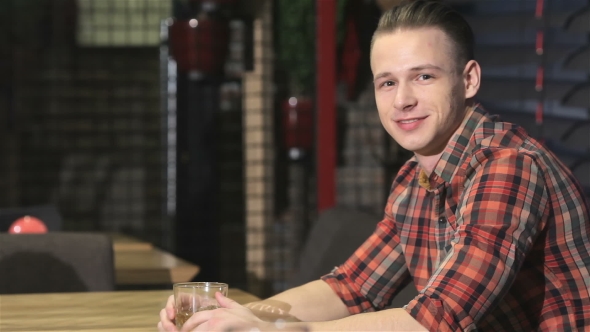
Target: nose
[[405, 99]]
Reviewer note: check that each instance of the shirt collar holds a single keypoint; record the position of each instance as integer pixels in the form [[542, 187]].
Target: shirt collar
[[457, 148]]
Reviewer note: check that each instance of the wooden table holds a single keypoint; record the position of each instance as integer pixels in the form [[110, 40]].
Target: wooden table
[[151, 267], [140, 263], [125, 242], [102, 311]]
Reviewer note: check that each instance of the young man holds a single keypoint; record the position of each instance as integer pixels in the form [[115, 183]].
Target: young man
[[492, 229]]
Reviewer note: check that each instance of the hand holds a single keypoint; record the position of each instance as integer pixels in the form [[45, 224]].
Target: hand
[[167, 316], [227, 317]]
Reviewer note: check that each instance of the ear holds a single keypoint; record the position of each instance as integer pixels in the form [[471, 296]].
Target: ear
[[471, 78]]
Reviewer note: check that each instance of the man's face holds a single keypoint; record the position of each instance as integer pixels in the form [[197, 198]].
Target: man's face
[[420, 93]]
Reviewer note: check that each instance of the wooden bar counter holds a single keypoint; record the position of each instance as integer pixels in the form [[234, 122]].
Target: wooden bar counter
[[99, 311]]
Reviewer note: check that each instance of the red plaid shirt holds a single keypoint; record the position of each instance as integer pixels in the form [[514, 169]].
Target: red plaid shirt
[[496, 239]]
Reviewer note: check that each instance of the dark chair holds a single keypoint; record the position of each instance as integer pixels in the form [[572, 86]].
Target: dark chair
[[335, 236], [56, 262], [49, 214]]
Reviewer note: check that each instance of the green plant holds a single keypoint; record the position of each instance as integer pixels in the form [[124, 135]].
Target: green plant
[[296, 31]]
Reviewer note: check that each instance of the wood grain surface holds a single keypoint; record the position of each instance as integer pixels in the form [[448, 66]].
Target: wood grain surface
[[154, 266], [123, 242], [124, 311]]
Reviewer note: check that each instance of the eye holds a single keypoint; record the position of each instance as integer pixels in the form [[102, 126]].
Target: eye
[[424, 77], [388, 83]]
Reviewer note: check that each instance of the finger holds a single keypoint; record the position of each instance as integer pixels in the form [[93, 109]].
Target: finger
[[170, 310], [167, 324], [226, 302], [203, 327], [197, 319], [163, 315], [161, 328]]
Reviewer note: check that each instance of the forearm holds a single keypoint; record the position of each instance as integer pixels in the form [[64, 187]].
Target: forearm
[[314, 301], [386, 320]]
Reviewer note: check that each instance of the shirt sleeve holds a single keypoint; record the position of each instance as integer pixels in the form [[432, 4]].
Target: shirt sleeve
[[500, 214], [374, 274]]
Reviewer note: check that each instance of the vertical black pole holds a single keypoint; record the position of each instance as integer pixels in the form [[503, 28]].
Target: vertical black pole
[[197, 233]]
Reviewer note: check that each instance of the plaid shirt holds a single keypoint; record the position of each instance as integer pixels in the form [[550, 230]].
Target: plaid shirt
[[496, 239]]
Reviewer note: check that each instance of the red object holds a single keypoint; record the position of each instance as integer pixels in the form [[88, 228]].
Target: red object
[[298, 123], [199, 45], [351, 56], [326, 103], [539, 48], [539, 9], [539, 82], [539, 45], [539, 113], [27, 224]]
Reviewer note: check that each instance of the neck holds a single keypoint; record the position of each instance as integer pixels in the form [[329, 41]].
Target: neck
[[428, 163]]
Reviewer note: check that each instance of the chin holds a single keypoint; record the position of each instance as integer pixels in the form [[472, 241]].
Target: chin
[[411, 146]]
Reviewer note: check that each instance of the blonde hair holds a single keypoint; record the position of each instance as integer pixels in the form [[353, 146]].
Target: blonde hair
[[428, 13]]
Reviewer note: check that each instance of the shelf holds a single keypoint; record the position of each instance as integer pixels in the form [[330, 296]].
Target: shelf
[[579, 59], [562, 149], [514, 22], [498, 55], [578, 95], [579, 21], [518, 89]]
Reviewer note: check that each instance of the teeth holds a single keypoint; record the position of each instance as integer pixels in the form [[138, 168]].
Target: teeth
[[408, 121]]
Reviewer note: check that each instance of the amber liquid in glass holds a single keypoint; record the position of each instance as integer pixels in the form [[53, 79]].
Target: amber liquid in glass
[[183, 316]]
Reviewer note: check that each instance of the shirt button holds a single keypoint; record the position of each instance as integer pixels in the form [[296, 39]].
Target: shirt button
[[442, 220]]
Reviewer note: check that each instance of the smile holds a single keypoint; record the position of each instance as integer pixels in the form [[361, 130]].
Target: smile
[[410, 124]]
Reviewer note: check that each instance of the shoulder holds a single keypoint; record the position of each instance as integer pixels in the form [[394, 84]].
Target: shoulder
[[497, 141], [505, 152], [497, 134]]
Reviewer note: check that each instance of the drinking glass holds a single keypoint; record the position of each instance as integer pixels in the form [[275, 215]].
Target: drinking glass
[[191, 297]]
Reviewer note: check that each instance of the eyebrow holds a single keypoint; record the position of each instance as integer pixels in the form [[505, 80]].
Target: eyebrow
[[428, 66], [417, 68]]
